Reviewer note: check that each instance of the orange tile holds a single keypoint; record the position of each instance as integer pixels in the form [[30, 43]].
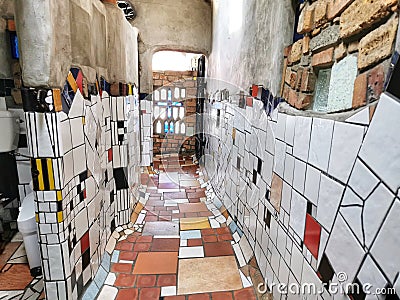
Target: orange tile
[[156, 263], [17, 277], [127, 294], [192, 207]]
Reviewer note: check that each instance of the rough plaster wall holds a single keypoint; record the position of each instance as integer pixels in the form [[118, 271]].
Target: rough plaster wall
[[248, 41], [55, 35], [6, 11], [171, 25]]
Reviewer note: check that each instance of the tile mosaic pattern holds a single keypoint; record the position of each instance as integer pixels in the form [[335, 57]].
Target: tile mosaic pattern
[[314, 197], [84, 145], [159, 262]]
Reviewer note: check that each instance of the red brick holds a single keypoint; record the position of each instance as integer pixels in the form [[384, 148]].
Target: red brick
[[221, 296], [127, 255], [303, 101], [308, 81], [142, 247], [360, 91], [121, 268], [293, 97], [114, 89], [323, 58], [195, 242], [222, 230], [225, 237], [335, 7], [293, 79], [175, 298], [124, 246], [146, 281], [166, 280], [245, 294], [149, 293], [199, 297], [125, 280], [127, 294], [376, 80], [209, 231]]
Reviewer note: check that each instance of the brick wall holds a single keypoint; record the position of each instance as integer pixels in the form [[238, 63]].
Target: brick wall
[[171, 143], [332, 31]]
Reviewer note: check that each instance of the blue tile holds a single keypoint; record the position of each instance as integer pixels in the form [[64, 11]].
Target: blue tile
[[101, 276], [91, 292], [233, 227], [115, 256], [106, 262], [190, 234]]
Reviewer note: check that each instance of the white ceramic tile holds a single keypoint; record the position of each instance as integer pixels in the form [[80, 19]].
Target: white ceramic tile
[[346, 143], [353, 216], [361, 117], [110, 279], [289, 168], [190, 252], [386, 247], [246, 248], [286, 196], [168, 291], [330, 194], [298, 211], [370, 274], [299, 175], [343, 250], [79, 160], [281, 126], [350, 198], [375, 209], [311, 189], [77, 132], [320, 144], [381, 146], [290, 127], [302, 137], [77, 107], [279, 160], [362, 180], [190, 234], [107, 293]]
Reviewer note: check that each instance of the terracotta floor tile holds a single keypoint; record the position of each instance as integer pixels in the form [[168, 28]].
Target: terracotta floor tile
[[205, 214], [17, 277], [151, 218], [142, 247], [175, 298], [8, 251], [166, 280], [210, 239], [121, 268], [146, 281], [209, 274], [165, 245], [194, 200], [218, 249], [169, 185], [125, 280], [194, 223], [161, 228], [156, 263], [222, 296], [189, 183], [132, 238], [144, 239], [176, 195], [149, 294], [195, 242], [127, 294], [124, 246], [222, 230], [199, 297], [209, 231], [193, 207], [225, 237], [245, 294], [127, 255]]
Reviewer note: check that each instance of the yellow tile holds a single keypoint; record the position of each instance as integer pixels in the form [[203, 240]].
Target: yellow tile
[[83, 121], [134, 217], [72, 82], [50, 173], [57, 100], [194, 223], [59, 195], [60, 216], [40, 177], [37, 218], [138, 208]]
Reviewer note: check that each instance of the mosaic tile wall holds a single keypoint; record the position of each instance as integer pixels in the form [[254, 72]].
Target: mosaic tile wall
[[78, 141], [314, 197]]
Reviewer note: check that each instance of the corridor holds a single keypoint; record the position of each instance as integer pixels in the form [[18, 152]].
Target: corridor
[[181, 245]]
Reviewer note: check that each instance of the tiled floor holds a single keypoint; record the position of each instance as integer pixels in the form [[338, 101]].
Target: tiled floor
[[181, 247], [16, 281]]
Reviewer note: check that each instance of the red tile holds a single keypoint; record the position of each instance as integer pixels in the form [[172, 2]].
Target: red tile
[[168, 185], [208, 231], [195, 242], [146, 281], [218, 249], [149, 294], [222, 230], [210, 239], [125, 280], [165, 245], [245, 294], [151, 218], [312, 235], [175, 298], [142, 247], [166, 280], [127, 294], [225, 237], [222, 296], [144, 239], [85, 242], [124, 246], [199, 297], [131, 238], [127, 255], [121, 268]]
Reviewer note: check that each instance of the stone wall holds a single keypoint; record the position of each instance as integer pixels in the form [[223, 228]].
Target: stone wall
[[315, 198], [353, 38], [170, 25]]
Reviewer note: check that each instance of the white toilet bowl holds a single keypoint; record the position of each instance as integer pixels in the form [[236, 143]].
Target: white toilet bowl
[[27, 226]]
